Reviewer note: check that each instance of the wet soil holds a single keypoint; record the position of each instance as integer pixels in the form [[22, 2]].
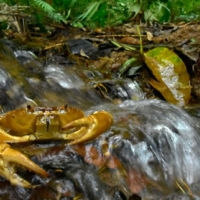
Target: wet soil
[[94, 49]]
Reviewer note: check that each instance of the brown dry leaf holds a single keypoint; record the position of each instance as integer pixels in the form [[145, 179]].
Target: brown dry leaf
[[149, 35], [136, 181], [82, 53], [130, 40], [131, 30]]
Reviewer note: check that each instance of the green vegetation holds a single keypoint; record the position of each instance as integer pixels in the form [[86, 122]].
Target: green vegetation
[[99, 13]]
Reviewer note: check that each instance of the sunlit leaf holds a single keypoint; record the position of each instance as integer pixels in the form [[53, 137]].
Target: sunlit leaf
[[172, 78]]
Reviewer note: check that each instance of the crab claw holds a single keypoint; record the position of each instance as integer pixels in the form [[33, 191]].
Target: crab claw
[[8, 156], [88, 127]]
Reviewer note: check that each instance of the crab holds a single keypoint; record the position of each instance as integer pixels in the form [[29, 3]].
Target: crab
[[40, 123]]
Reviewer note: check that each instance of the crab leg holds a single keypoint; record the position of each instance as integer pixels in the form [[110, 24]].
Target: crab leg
[[9, 156], [89, 127]]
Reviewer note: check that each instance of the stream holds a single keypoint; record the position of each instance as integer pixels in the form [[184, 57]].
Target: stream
[[151, 150]]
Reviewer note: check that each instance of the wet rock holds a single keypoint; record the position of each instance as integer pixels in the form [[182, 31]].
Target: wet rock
[[87, 49]]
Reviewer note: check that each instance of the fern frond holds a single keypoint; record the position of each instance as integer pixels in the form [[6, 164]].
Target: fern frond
[[44, 6], [91, 10], [49, 10]]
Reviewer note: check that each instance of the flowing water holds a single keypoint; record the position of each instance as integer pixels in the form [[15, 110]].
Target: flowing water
[[151, 150]]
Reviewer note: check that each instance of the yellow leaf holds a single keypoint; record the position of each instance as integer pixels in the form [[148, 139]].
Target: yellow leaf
[[172, 78]]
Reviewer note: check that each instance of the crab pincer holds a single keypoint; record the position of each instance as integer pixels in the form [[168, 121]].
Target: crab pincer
[[88, 128]]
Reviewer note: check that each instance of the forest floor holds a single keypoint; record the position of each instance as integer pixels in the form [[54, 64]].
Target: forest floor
[[108, 49]]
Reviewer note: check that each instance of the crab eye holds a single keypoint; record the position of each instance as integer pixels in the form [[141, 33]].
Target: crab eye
[[28, 107]]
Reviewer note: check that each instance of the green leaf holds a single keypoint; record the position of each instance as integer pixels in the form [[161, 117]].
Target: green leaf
[[127, 65], [91, 10], [121, 45]]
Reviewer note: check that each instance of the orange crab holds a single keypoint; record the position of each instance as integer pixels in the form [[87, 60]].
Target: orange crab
[[40, 123]]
